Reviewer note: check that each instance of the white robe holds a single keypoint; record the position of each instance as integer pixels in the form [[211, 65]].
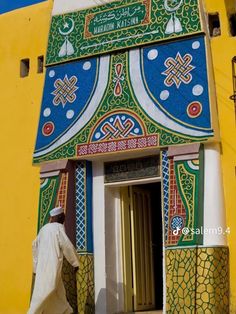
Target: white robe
[[49, 296]]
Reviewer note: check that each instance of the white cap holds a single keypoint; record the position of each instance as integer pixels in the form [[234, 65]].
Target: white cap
[[56, 211]]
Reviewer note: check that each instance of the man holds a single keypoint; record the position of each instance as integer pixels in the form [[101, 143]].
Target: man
[[51, 244]]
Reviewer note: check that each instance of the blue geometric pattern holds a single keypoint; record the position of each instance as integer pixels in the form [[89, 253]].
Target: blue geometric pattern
[[67, 92], [165, 176], [177, 222], [175, 76], [80, 175]]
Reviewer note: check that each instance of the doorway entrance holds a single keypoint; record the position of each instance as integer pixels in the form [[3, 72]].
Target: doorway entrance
[[142, 247]]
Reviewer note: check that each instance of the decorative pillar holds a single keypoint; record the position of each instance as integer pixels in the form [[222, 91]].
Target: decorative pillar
[[214, 209], [57, 189], [212, 292], [84, 237], [196, 266]]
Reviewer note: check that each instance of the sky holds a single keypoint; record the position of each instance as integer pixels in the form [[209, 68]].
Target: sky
[[9, 5]]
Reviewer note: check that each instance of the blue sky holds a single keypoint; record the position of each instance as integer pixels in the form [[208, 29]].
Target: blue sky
[[9, 5]]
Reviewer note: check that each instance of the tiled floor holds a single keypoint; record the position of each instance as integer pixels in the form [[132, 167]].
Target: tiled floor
[[148, 312]]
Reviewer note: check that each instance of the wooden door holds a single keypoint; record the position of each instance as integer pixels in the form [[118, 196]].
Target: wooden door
[[137, 246], [142, 259]]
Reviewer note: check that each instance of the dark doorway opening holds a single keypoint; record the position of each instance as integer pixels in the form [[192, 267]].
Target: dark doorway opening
[[157, 240]]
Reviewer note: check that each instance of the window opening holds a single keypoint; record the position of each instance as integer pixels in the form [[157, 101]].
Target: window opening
[[214, 24], [24, 67], [40, 64]]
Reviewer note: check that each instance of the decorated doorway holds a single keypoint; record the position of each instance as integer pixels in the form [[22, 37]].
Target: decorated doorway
[[142, 247]]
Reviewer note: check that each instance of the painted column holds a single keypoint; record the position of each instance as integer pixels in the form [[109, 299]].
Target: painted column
[[196, 255], [84, 237], [69, 185], [214, 210], [212, 291], [182, 213], [57, 189]]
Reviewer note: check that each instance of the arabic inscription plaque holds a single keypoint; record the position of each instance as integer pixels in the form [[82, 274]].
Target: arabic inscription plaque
[[120, 24], [132, 169]]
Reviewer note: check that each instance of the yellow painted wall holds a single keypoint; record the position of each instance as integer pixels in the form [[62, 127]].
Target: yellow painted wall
[[223, 50], [24, 34]]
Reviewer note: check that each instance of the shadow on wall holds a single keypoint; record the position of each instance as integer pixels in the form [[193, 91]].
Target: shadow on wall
[[109, 300]]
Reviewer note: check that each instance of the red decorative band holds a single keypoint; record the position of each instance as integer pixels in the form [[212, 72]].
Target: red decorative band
[[129, 144]]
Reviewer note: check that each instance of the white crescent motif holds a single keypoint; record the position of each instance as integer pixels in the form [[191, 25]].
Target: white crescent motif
[[172, 9], [70, 30]]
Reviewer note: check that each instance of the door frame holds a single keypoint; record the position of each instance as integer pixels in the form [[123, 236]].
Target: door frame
[[126, 244]]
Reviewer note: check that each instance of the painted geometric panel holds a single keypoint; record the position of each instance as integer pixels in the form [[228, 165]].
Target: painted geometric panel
[[83, 176], [187, 177], [197, 280], [62, 191], [117, 25], [182, 202], [178, 82], [181, 266], [67, 91], [177, 212], [80, 177], [131, 108], [165, 189], [137, 143], [69, 279], [84, 237], [85, 284], [47, 198], [117, 125], [116, 132], [212, 294]]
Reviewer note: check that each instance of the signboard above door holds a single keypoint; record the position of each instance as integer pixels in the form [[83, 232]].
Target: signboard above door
[[132, 169], [120, 24]]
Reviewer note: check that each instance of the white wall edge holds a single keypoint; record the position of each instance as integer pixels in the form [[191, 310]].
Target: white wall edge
[[62, 6], [214, 208], [99, 238]]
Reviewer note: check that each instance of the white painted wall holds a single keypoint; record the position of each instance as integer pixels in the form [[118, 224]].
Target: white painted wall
[[99, 238], [65, 6], [108, 276], [114, 275], [214, 209]]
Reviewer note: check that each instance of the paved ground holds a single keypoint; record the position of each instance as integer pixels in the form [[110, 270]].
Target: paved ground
[[148, 312]]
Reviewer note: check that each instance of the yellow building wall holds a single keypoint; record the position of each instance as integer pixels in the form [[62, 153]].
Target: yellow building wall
[[223, 50], [24, 34]]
